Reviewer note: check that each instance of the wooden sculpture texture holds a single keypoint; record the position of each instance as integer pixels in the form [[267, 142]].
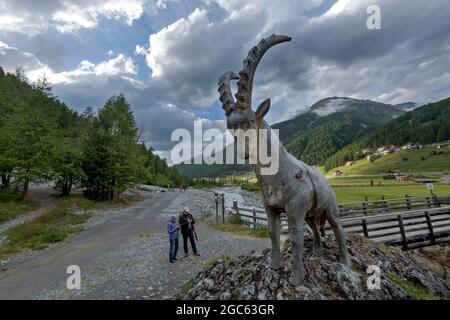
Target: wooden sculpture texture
[[297, 189]]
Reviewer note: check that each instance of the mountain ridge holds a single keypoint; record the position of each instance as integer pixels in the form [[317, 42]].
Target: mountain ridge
[[316, 134]]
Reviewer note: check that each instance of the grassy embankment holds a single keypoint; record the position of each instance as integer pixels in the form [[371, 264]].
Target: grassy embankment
[[11, 206], [354, 189], [241, 228], [55, 225], [407, 161]]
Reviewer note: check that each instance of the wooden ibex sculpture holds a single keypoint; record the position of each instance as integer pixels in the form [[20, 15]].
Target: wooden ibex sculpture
[[297, 189]]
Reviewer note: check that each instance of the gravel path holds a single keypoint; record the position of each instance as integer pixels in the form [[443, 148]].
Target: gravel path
[[123, 254]]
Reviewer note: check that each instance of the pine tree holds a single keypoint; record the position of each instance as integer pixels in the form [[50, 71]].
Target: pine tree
[[111, 158]]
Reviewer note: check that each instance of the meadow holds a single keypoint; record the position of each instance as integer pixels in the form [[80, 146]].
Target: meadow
[[407, 161], [355, 189], [355, 194]]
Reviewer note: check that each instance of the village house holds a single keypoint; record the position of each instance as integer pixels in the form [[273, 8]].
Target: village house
[[445, 178], [337, 173], [412, 146], [365, 151], [442, 145], [372, 157]]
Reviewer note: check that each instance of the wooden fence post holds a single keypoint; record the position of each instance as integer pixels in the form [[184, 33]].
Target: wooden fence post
[[402, 231], [428, 202], [430, 227], [408, 203], [223, 208], [254, 218], [216, 198], [385, 203], [364, 204], [365, 231], [236, 210], [436, 203], [341, 210]]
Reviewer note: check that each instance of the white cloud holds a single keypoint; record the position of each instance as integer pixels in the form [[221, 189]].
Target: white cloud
[[11, 58], [275, 11], [188, 53], [74, 17], [35, 17], [119, 65], [140, 50]]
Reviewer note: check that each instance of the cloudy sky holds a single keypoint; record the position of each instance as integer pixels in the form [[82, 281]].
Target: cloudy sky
[[165, 55]]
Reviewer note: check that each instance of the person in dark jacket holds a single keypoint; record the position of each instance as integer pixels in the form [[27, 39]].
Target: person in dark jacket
[[187, 222], [172, 230]]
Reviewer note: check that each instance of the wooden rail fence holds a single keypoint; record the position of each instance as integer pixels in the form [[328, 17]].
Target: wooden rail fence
[[409, 222]]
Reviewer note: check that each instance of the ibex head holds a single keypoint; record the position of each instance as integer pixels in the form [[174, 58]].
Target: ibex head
[[239, 113]]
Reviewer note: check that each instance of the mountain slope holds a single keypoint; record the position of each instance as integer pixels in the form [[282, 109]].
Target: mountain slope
[[426, 124], [337, 122], [313, 136]]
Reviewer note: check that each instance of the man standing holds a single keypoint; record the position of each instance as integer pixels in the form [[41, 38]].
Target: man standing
[[187, 222], [172, 230]]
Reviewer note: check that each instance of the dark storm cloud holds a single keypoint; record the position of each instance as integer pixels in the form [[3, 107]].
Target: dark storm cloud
[[332, 54]]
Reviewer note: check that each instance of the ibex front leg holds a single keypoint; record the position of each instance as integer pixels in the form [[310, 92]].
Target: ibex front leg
[[273, 226], [296, 220]]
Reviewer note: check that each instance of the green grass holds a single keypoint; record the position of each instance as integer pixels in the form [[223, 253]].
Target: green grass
[[387, 249], [188, 285], [396, 161], [51, 227], [415, 290], [356, 194], [355, 189], [240, 229], [11, 206], [252, 187], [208, 264], [366, 181]]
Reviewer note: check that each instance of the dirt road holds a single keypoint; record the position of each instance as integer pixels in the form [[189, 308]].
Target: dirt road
[[123, 254]]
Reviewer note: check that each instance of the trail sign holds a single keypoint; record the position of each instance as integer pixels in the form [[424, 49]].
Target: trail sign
[[430, 186]]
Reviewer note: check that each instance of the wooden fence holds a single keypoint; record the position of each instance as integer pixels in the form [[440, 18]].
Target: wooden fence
[[407, 229], [409, 222], [407, 203]]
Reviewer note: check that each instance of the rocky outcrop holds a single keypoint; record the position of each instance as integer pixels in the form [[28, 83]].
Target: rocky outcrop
[[250, 276]]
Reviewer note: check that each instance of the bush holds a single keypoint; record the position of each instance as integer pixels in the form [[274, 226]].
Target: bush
[[53, 235], [6, 195]]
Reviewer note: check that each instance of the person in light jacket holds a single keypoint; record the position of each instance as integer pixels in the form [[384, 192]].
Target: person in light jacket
[[172, 230]]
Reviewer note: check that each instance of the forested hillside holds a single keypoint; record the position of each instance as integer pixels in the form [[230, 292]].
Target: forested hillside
[[424, 125], [331, 124], [42, 139]]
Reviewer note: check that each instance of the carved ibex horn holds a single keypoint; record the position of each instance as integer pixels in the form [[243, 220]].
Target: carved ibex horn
[[226, 96], [245, 83]]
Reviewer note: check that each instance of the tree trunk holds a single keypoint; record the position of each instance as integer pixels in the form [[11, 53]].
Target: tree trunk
[[26, 186], [5, 180], [69, 187]]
